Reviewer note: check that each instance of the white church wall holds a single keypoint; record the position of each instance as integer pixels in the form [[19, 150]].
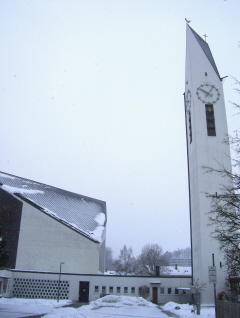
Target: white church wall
[[29, 284], [126, 285], [45, 242], [204, 151]]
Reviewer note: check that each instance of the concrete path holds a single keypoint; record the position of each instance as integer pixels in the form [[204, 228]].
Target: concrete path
[[18, 311], [168, 313]]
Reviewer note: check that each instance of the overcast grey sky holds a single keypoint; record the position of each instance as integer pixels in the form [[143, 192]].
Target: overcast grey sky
[[92, 102]]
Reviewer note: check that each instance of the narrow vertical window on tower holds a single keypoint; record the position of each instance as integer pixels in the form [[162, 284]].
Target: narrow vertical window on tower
[[211, 129], [190, 127], [187, 100]]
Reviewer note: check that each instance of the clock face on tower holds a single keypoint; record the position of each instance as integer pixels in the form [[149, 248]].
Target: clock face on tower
[[208, 93]]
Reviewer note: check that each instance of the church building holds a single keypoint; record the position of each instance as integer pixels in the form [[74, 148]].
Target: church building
[[43, 227], [206, 128]]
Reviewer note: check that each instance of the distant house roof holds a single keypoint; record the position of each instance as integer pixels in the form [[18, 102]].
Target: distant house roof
[[84, 215], [206, 50]]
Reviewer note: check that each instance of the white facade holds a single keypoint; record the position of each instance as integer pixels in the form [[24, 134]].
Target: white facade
[[44, 243], [45, 285], [205, 148]]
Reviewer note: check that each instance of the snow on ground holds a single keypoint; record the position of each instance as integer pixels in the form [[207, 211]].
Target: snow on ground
[[184, 310], [107, 307], [25, 302], [18, 307], [111, 306]]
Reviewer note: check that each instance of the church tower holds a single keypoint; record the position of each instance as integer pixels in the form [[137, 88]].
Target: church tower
[[206, 128]]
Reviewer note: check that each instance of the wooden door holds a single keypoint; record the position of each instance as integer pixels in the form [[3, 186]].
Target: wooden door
[[155, 295]]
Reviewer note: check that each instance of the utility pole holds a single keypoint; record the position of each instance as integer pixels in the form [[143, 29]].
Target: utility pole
[[59, 279], [214, 286]]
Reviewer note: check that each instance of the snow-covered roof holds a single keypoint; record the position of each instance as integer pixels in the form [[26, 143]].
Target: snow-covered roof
[[181, 270], [168, 271], [83, 214]]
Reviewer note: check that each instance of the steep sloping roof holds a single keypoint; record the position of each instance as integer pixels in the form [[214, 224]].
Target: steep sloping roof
[[83, 214], [206, 50]]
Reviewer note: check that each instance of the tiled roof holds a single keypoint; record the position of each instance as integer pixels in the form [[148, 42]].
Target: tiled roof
[[206, 50], [83, 214]]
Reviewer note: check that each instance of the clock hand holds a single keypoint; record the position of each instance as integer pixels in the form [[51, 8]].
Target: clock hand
[[207, 93]]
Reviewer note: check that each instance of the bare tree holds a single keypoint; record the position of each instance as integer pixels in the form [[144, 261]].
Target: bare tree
[[225, 217], [177, 253], [166, 258], [109, 259], [152, 256], [125, 263], [225, 214], [144, 291], [182, 253], [198, 288], [187, 252]]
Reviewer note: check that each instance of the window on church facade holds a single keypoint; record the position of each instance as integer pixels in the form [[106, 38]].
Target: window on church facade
[[211, 129]]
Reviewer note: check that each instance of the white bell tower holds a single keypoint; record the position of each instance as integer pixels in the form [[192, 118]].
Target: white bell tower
[[206, 128]]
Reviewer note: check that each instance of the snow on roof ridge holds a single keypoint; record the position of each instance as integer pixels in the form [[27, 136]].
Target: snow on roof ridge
[[83, 197], [14, 190], [83, 214]]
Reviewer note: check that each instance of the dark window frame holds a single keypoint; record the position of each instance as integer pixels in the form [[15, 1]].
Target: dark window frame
[[210, 119], [104, 289], [190, 126]]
